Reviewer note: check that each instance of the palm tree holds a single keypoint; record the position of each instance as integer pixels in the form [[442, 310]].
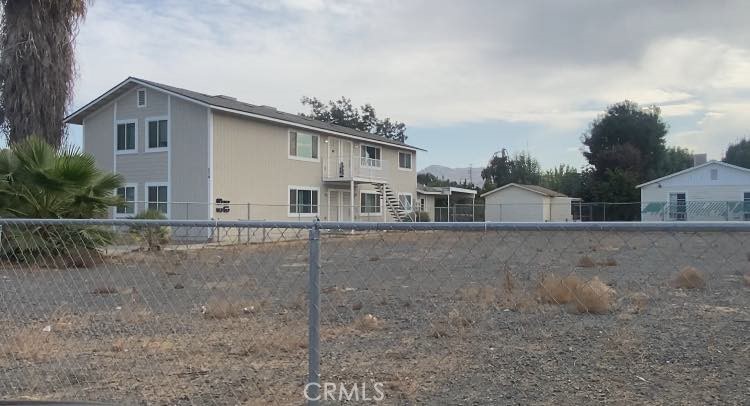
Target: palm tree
[[38, 181], [37, 66]]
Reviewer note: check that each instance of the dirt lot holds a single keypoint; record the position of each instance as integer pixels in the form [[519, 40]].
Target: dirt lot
[[437, 317]]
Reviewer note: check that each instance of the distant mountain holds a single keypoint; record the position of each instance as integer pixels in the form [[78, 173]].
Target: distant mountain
[[456, 174]]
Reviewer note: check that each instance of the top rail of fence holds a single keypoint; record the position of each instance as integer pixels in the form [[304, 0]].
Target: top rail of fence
[[682, 226]]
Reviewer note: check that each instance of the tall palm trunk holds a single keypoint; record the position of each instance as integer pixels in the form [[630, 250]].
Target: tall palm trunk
[[37, 66]]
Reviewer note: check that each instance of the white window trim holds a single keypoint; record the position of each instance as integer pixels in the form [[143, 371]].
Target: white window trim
[[380, 207], [135, 201], [411, 198], [169, 193], [289, 203], [145, 98], [301, 158], [169, 135], [377, 168], [126, 151], [669, 202], [411, 161]]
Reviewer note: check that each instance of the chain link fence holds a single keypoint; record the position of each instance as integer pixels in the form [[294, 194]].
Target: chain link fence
[[179, 312]]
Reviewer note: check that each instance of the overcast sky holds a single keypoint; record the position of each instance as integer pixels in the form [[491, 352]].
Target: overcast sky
[[467, 77]]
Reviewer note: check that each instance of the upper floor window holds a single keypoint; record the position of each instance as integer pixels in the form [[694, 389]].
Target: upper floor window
[[141, 96], [302, 145], [404, 160], [127, 194], [126, 136], [157, 134], [370, 156]]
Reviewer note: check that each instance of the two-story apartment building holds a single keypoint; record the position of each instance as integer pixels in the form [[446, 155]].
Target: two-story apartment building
[[187, 154]]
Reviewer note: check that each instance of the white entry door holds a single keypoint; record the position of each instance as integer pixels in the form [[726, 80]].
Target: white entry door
[[339, 208]]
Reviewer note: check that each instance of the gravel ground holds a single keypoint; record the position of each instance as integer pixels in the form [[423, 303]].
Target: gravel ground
[[437, 317]]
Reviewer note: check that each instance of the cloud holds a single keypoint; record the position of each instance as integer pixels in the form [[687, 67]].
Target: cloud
[[436, 63]]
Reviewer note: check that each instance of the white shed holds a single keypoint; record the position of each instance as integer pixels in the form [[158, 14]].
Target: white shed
[[514, 203], [712, 191]]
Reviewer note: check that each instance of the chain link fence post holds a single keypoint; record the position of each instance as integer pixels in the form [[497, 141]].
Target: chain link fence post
[[313, 375]]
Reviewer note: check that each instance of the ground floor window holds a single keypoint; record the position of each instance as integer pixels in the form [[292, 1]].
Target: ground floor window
[[157, 198], [422, 204], [369, 203], [746, 206], [406, 201], [677, 206], [127, 194], [303, 200]]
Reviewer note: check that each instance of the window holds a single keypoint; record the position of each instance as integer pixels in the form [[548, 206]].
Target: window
[[404, 160], [141, 98], [158, 198], [746, 206], [714, 174], [422, 204], [126, 136], [370, 156], [157, 134], [405, 200], [303, 145], [127, 194], [369, 203], [303, 201], [677, 207]]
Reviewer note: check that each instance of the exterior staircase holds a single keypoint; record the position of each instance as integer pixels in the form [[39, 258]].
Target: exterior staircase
[[397, 211]]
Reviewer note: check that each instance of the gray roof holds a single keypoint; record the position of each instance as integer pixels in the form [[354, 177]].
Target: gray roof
[[224, 102], [532, 188]]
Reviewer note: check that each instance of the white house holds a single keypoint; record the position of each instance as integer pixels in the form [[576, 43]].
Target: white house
[[516, 203], [708, 192]]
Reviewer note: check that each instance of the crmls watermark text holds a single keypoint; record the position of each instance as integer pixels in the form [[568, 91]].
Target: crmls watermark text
[[341, 391]]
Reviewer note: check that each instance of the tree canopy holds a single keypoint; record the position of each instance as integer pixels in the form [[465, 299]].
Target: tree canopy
[[625, 146], [37, 66], [342, 112], [502, 169], [738, 153]]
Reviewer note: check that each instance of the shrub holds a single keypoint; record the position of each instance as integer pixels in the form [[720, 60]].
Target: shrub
[[152, 236], [689, 278], [556, 290], [593, 296], [586, 262], [38, 181]]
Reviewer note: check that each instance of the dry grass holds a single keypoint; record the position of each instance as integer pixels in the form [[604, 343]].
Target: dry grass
[[31, 344], [586, 262], [593, 296], [223, 308], [555, 290], [689, 278], [368, 322], [453, 323], [639, 302], [482, 295]]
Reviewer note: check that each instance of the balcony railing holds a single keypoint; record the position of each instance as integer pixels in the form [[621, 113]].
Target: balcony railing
[[337, 168]]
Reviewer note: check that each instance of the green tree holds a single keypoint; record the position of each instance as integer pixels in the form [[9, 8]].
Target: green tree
[[37, 66], [564, 179], [675, 159], [738, 153], [342, 112], [521, 168], [625, 146]]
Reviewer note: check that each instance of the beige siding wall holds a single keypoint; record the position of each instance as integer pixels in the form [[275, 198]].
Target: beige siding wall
[[560, 209], [189, 164], [514, 204], [252, 165]]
